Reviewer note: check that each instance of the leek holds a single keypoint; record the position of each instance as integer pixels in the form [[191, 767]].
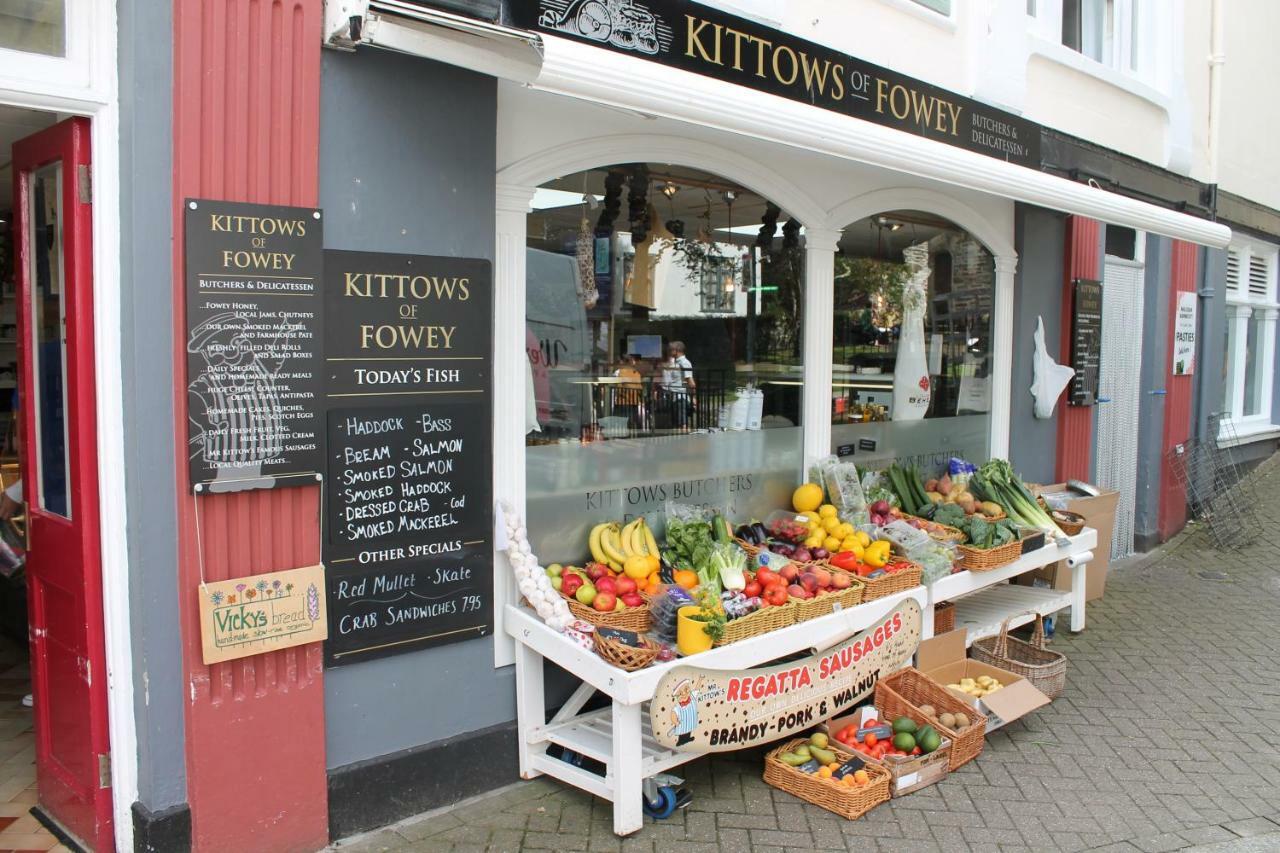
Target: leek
[[999, 482]]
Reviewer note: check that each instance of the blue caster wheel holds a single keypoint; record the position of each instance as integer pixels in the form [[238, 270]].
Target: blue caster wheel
[[663, 806]]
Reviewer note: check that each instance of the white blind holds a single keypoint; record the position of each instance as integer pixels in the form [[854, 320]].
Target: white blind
[[1233, 270], [1260, 275]]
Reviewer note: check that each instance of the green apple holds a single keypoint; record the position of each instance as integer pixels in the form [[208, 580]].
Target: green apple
[[585, 594], [557, 582], [555, 570]]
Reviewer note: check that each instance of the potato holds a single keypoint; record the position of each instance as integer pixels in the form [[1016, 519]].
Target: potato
[[994, 687], [928, 711], [955, 687], [962, 721], [968, 682], [968, 503], [932, 485], [991, 509], [948, 719], [934, 497], [985, 680]]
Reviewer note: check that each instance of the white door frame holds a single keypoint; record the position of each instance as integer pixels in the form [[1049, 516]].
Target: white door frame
[[86, 83]]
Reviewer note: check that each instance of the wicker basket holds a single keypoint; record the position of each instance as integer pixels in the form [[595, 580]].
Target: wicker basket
[[1045, 669], [985, 559], [763, 621], [848, 802], [1071, 528], [941, 532], [902, 694], [632, 619], [944, 617], [623, 656], [889, 584], [821, 605]]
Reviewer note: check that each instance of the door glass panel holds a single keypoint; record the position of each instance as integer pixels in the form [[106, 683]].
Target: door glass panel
[[48, 338], [1253, 367], [34, 26]]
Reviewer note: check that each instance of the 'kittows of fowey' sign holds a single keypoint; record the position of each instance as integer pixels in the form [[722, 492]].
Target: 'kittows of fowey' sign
[[706, 41]]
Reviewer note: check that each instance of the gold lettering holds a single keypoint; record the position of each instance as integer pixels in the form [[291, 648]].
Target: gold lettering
[[924, 108], [899, 89], [881, 85], [795, 65], [760, 46], [837, 82], [738, 36], [352, 289], [954, 109], [719, 30], [813, 71], [406, 337], [694, 34]]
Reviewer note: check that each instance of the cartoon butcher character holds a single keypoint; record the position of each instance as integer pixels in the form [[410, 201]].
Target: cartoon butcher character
[[684, 717]]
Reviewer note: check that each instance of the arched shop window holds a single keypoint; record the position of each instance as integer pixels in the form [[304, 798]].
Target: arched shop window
[[912, 340], [663, 329]]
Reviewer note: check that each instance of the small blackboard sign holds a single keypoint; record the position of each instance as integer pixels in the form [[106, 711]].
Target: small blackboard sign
[[866, 444], [627, 638], [254, 318], [409, 498], [1086, 340], [845, 450]]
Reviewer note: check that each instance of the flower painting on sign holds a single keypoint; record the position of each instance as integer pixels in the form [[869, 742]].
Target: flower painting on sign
[[709, 710], [247, 616]]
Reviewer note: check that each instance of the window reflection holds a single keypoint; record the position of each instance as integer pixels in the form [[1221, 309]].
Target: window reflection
[[34, 26]]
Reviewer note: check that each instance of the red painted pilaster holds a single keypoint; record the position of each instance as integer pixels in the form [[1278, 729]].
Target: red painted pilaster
[[1075, 423], [1178, 396], [246, 128]]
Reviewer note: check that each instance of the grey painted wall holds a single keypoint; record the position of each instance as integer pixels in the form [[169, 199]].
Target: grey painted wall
[[1211, 321], [407, 161], [1040, 238], [146, 281], [1155, 359]]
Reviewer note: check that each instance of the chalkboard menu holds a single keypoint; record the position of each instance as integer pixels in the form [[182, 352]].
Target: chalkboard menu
[[254, 370], [1086, 340], [408, 499]]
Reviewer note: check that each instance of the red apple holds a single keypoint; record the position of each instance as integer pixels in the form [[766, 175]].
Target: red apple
[[607, 584], [570, 584], [604, 601], [595, 571], [632, 599], [625, 585]]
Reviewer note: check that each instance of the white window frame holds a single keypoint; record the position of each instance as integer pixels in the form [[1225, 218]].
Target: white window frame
[[1144, 69], [1242, 307]]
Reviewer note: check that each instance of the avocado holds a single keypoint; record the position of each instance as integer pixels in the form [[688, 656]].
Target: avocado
[[904, 724], [929, 741], [904, 741]]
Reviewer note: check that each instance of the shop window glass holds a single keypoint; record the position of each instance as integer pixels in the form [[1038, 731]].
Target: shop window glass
[[34, 26], [911, 360], [48, 332], [1253, 370], [663, 328], [1229, 366]]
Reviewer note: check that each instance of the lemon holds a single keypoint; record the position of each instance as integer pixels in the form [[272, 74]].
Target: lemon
[[813, 542], [826, 511], [863, 537], [831, 543], [831, 525], [848, 544], [846, 530], [807, 497]]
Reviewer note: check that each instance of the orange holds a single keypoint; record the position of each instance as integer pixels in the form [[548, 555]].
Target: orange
[[654, 564], [685, 578]]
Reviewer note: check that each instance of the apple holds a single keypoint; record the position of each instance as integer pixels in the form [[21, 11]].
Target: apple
[[789, 572], [571, 583], [841, 580], [602, 601], [632, 599], [625, 585], [823, 576], [557, 583], [809, 581], [586, 594], [555, 570], [795, 591], [595, 571], [607, 584]]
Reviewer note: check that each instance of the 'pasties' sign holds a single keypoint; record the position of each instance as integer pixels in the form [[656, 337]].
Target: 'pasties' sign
[[707, 710]]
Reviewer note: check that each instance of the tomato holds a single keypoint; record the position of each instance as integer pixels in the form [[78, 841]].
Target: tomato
[[767, 577], [871, 722], [848, 731], [776, 595], [916, 751], [751, 590], [870, 739]]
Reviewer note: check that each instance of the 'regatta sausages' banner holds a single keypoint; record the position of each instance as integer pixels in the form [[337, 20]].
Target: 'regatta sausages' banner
[[703, 40], [713, 710]]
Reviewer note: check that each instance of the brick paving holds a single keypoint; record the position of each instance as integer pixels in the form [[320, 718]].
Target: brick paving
[[1164, 740]]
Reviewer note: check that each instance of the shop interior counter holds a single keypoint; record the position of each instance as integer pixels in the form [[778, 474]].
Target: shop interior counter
[[619, 736], [983, 600]]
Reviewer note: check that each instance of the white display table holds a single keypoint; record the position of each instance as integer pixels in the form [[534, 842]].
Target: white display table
[[619, 736]]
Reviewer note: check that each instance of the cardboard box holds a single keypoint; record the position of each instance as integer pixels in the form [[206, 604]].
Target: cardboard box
[[1100, 514], [943, 659], [909, 772]]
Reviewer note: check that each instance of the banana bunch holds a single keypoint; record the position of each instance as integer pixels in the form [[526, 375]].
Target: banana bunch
[[612, 545]]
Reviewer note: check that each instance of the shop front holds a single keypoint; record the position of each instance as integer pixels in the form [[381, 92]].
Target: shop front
[[717, 255]]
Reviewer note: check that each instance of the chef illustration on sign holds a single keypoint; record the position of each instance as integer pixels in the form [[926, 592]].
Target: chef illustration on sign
[[684, 716], [234, 402]]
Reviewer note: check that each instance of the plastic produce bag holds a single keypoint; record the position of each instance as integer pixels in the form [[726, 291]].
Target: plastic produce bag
[[875, 489], [844, 489], [662, 611]]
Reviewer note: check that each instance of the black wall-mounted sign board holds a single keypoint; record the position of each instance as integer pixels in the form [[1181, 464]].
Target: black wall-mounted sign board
[[1086, 340], [408, 499], [703, 40], [254, 319]]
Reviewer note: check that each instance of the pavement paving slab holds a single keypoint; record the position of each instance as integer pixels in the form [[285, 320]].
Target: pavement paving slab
[[1164, 740]]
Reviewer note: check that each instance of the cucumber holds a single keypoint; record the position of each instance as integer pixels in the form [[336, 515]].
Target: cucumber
[[721, 530]]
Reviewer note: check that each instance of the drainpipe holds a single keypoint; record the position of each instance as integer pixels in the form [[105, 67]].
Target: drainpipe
[[1207, 397], [1216, 61]]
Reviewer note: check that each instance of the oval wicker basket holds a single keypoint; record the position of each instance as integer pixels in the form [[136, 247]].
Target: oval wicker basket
[[632, 619], [626, 657], [763, 621], [848, 802], [1045, 669], [821, 605], [902, 694], [985, 559]]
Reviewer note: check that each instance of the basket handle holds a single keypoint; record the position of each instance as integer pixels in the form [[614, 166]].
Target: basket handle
[[1001, 648], [1038, 639]]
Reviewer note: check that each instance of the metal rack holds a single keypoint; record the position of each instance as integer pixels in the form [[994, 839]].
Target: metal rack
[[1218, 495]]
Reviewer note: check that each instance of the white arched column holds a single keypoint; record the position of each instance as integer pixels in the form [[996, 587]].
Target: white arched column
[[509, 365], [1002, 356], [819, 296]]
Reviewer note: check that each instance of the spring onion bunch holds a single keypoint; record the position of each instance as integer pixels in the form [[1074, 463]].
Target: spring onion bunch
[[996, 481]]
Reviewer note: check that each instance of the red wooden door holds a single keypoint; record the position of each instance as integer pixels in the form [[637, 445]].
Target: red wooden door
[[59, 475]]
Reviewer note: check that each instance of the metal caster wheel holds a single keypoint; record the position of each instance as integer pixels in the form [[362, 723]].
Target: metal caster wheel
[[662, 805]]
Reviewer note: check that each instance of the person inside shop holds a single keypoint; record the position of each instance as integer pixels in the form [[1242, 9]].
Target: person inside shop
[[628, 399], [678, 386], [11, 502]]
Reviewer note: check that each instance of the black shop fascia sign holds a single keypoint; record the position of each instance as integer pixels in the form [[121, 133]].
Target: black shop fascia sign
[[706, 41]]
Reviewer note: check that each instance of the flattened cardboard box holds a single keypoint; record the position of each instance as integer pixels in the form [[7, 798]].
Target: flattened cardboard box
[[943, 659]]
